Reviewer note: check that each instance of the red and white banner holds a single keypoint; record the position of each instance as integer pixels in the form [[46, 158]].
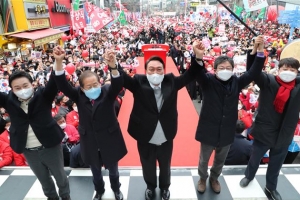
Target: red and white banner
[[78, 19], [221, 29], [99, 19], [252, 5]]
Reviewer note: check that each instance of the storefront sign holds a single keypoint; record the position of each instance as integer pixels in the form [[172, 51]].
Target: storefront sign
[[35, 1], [34, 10], [194, 4], [38, 23], [60, 13], [46, 40], [59, 8]]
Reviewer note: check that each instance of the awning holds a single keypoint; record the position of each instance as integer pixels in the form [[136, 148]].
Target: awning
[[64, 28], [40, 37]]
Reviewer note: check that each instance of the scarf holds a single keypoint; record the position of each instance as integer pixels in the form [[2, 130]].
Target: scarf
[[283, 94]]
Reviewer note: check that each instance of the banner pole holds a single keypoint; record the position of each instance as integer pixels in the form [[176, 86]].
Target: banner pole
[[240, 20]]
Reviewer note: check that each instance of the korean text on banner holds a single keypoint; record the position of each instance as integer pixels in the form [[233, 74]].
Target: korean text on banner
[[221, 29], [252, 5], [89, 8], [99, 19], [78, 19]]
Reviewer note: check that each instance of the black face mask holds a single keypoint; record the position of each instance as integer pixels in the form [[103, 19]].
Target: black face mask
[[69, 103]]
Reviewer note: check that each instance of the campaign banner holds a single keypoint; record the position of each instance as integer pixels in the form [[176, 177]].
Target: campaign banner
[[78, 19], [99, 19], [252, 5]]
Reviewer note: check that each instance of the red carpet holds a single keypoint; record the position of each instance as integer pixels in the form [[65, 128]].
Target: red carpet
[[186, 149]]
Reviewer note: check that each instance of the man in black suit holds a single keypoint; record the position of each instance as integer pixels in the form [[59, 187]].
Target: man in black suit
[[35, 133], [101, 140], [153, 120]]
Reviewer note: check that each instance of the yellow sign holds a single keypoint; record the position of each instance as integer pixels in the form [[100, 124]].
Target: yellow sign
[[194, 4], [35, 1], [45, 40], [38, 23]]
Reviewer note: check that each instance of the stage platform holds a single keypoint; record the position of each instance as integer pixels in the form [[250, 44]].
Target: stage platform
[[21, 184]]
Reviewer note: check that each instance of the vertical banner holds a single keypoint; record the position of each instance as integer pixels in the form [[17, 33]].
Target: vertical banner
[[78, 19], [252, 5], [99, 19]]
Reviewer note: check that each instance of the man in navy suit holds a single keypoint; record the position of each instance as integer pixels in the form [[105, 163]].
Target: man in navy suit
[[35, 133], [101, 140]]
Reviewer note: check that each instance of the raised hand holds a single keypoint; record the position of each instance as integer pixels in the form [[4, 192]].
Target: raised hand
[[259, 41], [198, 48], [59, 53], [110, 58]]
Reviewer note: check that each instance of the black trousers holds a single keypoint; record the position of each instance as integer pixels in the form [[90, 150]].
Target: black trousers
[[149, 154], [276, 159]]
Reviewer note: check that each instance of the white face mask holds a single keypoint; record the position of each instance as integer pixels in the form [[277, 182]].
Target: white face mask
[[24, 93], [224, 75], [287, 76], [240, 106], [155, 79], [245, 92], [63, 125], [75, 109], [53, 105]]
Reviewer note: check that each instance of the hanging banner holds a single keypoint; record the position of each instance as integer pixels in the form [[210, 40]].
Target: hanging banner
[[78, 19], [252, 5], [99, 19]]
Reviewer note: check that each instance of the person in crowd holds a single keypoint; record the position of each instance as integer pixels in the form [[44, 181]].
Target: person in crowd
[[76, 159], [54, 109], [35, 133], [18, 159], [275, 123], [153, 120], [217, 121], [72, 117], [101, 139], [64, 104], [240, 149], [6, 154], [244, 116]]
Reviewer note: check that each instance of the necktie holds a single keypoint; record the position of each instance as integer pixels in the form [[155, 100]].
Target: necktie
[[158, 97], [92, 102]]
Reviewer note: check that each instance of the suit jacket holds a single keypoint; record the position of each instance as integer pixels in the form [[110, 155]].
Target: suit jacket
[[98, 128], [145, 115], [39, 117]]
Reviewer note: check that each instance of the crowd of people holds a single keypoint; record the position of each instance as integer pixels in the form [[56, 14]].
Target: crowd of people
[[45, 108]]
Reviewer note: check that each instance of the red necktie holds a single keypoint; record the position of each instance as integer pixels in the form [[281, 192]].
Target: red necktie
[[92, 102]]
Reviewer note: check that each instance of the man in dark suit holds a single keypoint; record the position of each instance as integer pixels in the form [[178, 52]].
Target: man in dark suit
[[35, 133], [240, 149], [153, 120], [101, 140], [275, 122]]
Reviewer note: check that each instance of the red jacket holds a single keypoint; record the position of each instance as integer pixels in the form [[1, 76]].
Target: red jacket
[[6, 154], [245, 117], [19, 159], [72, 118], [54, 110], [245, 100], [72, 133]]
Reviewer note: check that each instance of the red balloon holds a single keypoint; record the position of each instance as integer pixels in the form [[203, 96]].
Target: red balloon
[[69, 37], [272, 12], [76, 34], [217, 49], [82, 41], [84, 37], [64, 37], [70, 68], [191, 12], [230, 54], [85, 53]]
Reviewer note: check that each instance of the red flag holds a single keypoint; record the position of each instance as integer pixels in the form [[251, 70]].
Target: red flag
[[88, 7], [78, 19], [100, 19]]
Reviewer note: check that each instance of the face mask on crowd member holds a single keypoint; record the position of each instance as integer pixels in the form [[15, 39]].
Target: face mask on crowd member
[[75, 107], [60, 121], [155, 70], [21, 84], [288, 69], [90, 84], [224, 68]]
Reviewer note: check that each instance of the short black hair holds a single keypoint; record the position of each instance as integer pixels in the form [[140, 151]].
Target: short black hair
[[19, 74], [240, 127], [222, 59], [154, 58], [86, 74], [58, 117], [290, 62]]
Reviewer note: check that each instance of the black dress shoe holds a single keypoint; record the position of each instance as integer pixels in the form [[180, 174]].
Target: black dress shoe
[[149, 194], [98, 196], [66, 198], [53, 198], [165, 194], [118, 195], [274, 195], [244, 182]]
